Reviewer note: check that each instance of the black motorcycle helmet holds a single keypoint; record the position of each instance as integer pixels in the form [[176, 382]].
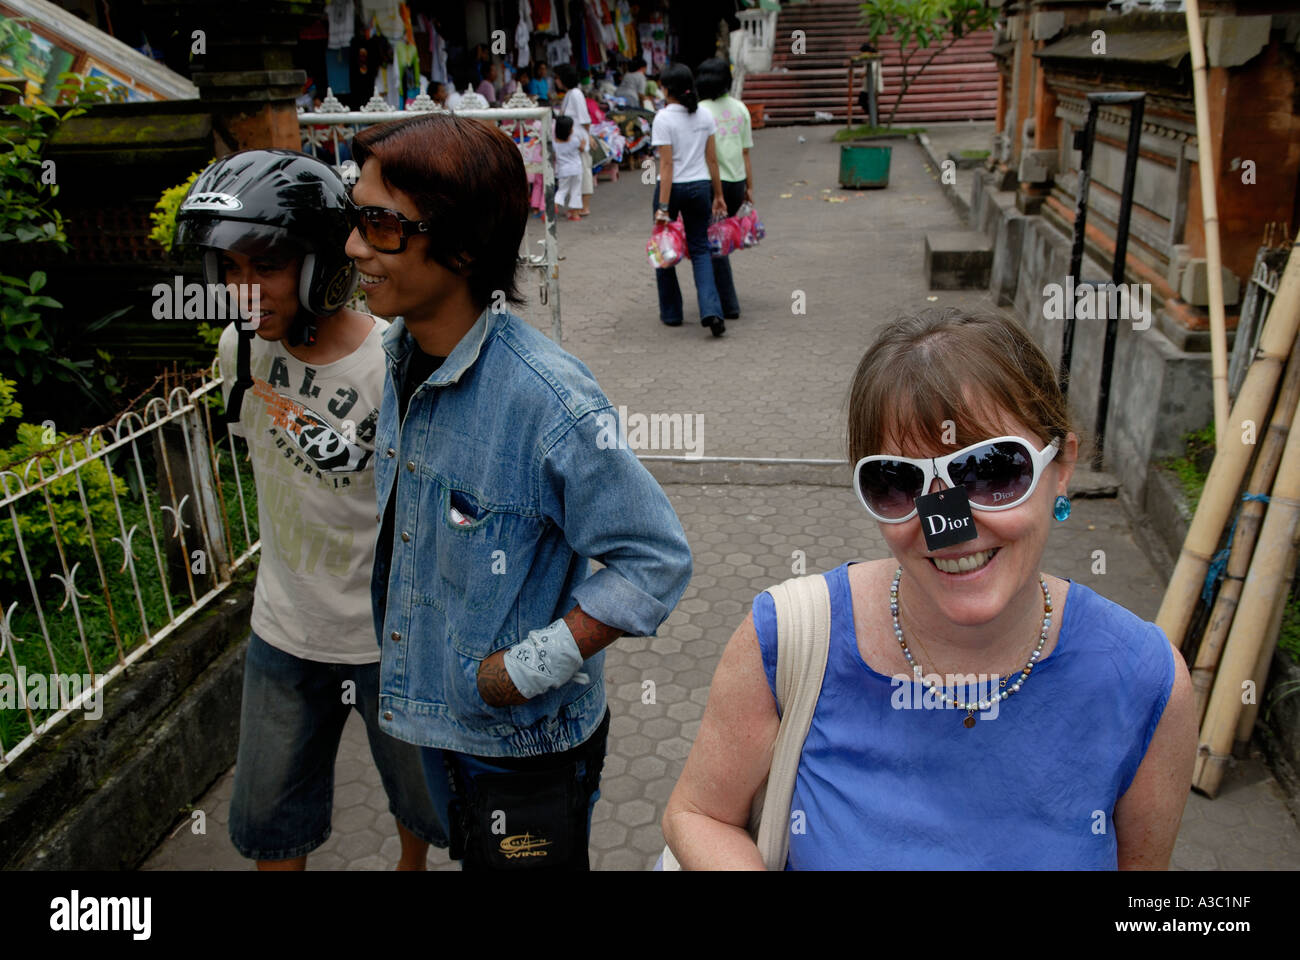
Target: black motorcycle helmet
[[259, 201]]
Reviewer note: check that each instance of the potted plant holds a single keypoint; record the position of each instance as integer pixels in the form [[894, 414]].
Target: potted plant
[[917, 25]]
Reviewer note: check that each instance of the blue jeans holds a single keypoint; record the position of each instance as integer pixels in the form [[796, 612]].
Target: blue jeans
[[694, 201], [290, 723], [733, 191]]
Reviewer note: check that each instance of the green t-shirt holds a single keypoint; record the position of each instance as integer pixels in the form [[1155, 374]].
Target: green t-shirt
[[734, 135]]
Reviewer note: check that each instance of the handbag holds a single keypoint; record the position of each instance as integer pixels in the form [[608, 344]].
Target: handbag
[[803, 634]]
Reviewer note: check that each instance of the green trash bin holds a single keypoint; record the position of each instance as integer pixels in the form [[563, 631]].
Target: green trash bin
[[864, 165]]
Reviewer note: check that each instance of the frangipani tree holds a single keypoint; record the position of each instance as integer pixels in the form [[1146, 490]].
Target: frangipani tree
[[921, 24]]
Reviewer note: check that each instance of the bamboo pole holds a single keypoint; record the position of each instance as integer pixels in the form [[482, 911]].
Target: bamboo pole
[[1210, 212], [1249, 711], [1243, 542], [1232, 455], [1263, 584]]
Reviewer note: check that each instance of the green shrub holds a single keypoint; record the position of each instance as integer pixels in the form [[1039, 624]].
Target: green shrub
[[1289, 639], [1193, 467], [35, 345], [65, 501], [164, 212]]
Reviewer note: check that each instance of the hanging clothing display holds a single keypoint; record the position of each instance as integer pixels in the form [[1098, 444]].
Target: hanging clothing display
[[625, 28], [594, 53], [386, 16], [338, 70], [342, 14], [523, 32], [543, 16], [408, 71], [559, 51], [608, 36], [437, 51]]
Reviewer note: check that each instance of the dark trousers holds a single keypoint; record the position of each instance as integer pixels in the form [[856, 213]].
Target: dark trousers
[[733, 191], [694, 201]]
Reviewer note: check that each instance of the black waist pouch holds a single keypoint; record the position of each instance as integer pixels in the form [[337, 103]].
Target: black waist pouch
[[531, 818]]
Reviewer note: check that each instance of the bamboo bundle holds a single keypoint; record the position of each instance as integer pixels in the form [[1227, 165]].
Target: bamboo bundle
[[1210, 213], [1249, 711], [1263, 584], [1232, 458], [1243, 541]]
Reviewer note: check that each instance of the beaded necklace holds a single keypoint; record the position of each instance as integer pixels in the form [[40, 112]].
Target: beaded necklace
[[919, 672]]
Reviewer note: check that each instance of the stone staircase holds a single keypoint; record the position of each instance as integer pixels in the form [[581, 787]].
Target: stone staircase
[[960, 84]]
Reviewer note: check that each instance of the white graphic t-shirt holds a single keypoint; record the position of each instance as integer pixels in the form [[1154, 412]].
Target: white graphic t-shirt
[[310, 432]]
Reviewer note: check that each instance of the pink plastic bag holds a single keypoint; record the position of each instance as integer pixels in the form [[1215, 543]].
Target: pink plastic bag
[[725, 237], [751, 228], [667, 244]]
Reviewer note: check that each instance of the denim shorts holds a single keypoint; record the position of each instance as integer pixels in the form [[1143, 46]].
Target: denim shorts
[[507, 813], [290, 724]]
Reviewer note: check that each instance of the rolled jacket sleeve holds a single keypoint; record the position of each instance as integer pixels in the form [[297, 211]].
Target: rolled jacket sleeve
[[610, 509]]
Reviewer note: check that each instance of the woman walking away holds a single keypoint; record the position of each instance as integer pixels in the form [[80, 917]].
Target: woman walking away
[[975, 712], [688, 176], [734, 140]]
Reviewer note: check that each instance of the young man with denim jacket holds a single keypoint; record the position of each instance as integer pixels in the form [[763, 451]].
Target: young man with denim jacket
[[496, 482]]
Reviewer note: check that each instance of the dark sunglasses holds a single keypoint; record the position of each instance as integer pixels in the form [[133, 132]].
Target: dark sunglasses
[[383, 229], [998, 474]]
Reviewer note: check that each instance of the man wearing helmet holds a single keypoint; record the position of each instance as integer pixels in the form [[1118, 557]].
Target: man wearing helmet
[[303, 381]]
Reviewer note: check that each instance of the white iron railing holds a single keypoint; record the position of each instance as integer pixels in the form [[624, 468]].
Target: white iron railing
[[174, 491], [336, 119], [761, 27]]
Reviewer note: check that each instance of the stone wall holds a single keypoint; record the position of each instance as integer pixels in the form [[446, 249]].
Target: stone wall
[[1158, 392], [101, 794]]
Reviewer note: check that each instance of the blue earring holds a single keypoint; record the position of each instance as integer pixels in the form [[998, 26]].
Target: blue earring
[[1061, 508]]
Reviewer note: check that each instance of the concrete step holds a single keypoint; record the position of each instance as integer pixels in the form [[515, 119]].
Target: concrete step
[[958, 260]]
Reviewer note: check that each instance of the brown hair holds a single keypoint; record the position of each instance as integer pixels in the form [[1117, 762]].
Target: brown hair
[[935, 367], [458, 172]]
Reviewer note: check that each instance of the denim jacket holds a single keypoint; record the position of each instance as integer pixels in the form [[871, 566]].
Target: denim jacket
[[506, 485]]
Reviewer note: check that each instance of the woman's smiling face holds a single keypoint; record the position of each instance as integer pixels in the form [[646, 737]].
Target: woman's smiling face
[[982, 575]]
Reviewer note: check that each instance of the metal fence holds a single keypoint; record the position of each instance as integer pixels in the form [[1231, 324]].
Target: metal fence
[[328, 130], [154, 511], [1261, 288]]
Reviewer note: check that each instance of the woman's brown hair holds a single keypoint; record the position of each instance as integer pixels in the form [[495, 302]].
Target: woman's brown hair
[[469, 177], [924, 371]]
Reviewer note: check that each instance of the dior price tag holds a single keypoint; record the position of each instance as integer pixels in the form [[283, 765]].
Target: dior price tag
[[945, 518]]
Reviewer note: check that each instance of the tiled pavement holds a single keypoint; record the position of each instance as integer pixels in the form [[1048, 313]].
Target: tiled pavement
[[773, 387]]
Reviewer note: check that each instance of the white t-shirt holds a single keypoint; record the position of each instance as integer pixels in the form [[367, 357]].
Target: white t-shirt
[[575, 105], [688, 134], [568, 153], [310, 432]]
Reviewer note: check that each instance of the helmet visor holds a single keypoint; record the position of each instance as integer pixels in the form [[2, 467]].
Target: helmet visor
[[250, 239]]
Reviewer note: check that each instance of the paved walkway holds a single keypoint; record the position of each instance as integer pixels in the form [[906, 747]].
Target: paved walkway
[[772, 387]]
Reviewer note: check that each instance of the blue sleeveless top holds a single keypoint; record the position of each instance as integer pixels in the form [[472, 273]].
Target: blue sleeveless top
[[885, 783]]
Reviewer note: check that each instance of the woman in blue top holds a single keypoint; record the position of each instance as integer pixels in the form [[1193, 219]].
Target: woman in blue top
[[1072, 744]]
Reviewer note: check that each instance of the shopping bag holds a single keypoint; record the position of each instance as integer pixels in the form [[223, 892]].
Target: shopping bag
[[667, 244], [751, 227], [725, 236]]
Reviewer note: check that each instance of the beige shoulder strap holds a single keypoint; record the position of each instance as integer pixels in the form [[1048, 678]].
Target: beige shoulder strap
[[803, 624], [803, 631]]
